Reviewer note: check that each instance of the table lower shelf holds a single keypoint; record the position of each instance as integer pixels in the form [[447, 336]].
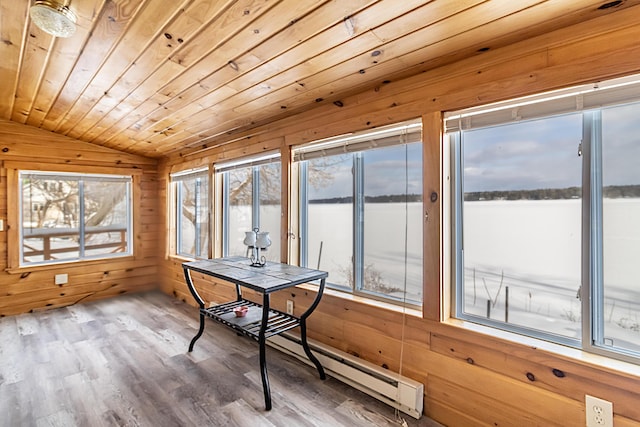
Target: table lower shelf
[[249, 325]]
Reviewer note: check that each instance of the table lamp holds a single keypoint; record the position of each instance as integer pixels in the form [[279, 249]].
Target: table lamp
[[257, 240]]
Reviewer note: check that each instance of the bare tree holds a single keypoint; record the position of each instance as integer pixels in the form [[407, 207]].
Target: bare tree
[[56, 197], [321, 173], [189, 211], [241, 188], [58, 201], [101, 202]]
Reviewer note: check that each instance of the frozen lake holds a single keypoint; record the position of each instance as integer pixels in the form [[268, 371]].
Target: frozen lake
[[392, 252], [332, 228], [534, 248]]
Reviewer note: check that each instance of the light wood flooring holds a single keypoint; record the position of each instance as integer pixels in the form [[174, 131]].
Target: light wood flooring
[[124, 362]]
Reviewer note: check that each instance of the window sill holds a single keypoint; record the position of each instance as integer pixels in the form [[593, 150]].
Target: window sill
[[365, 301], [574, 354], [66, 264]]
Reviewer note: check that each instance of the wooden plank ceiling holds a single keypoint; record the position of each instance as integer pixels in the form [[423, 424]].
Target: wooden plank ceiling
[[160, 77]]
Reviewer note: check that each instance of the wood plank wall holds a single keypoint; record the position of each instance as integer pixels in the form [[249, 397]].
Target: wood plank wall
[[473, 376], [33, 288]]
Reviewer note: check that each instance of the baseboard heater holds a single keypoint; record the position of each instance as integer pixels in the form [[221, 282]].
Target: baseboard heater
[[389, 387]]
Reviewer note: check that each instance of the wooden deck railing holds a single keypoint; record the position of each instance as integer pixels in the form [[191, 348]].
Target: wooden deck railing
[[47, 234]]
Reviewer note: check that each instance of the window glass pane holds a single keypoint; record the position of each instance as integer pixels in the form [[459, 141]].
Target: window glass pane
[[105, 217], [330, 217], [193, 218], [393, 222], [270, 208], [73, 216], [521, 225], [621, 226], [50, 215], [240, 209]]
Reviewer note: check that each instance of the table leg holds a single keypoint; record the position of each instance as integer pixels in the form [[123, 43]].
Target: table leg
[[307, 350], [199, 334], [263, 352], [198, 298], [303, 331]]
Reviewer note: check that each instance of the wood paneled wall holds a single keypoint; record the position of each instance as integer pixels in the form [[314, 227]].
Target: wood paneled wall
[[474, 376], [34, 288]]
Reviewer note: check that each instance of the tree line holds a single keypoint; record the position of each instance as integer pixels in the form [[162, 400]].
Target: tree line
[[610, 192], [387, 198]]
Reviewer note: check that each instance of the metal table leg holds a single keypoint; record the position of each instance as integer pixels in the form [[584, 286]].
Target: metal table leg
[[263, 352], [196, 296], [198, 335], [303, 331]]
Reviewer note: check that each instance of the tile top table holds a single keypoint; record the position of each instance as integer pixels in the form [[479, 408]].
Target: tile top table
[[261, 321]]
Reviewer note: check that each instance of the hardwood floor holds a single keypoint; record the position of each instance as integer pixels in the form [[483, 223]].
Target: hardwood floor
[[124, 362]]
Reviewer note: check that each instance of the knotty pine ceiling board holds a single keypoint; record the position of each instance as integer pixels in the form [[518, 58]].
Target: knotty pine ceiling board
[[157, 78]]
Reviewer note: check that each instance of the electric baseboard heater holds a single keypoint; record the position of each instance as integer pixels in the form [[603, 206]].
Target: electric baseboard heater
[[400, 392]]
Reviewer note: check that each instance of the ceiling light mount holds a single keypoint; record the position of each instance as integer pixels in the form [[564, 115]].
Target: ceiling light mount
[[54, 18]]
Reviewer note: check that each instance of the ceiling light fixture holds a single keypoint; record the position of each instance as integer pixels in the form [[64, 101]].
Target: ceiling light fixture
[[53, 18]]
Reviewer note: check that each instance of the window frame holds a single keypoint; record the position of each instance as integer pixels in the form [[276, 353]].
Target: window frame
[[176, 234], [589, 101], [221, 171], [355, 144], [14, 220]]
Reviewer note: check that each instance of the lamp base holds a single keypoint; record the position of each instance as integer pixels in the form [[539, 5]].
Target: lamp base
[[256, 259]]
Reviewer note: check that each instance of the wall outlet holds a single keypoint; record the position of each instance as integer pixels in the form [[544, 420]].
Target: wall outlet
[[61, 279], [289, 306], [599, 412]]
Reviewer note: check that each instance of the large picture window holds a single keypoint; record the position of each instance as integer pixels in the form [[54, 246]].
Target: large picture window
[[66, 216], [192, 213], [251, 199], [547, 208], [360, 211]]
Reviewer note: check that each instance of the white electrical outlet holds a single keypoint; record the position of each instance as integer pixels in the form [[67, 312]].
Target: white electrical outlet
[[61, 279], [289, 306], [599, 412]]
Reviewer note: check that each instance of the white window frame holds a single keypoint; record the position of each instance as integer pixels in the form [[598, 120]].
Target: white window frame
[[176, 180], [81, 178], [387, 136], [222, 174], [589, 100]]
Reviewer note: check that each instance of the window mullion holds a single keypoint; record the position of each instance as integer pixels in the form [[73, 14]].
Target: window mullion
[[458, 228], [597, 279], [255, 197], [592, 295], [129, 236], [179, 203], [303, 233], [358, 224], [197, 219], [81, 225], [225, 213]]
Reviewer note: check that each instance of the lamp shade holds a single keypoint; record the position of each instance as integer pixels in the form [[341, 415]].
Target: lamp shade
[[250, 238], [53, 18], [263, 241]]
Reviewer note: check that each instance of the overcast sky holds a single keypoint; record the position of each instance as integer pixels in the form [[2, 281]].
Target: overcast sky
[[621, 146], [521, 156], [388, 171], [544, 153]]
